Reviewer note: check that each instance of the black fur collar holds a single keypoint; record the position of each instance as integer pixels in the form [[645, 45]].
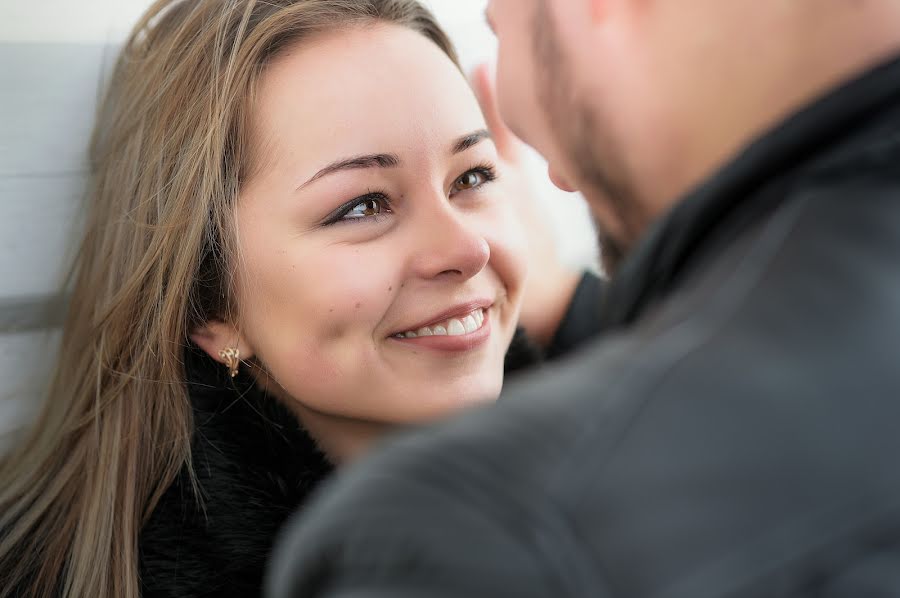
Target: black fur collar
[[255, 466]]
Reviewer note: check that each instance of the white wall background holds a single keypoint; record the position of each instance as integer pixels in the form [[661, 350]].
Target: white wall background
[[52, 57]]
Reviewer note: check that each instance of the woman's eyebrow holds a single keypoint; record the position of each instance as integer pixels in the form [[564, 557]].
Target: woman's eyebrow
[[467, 141], [391, 160], [353, 163]]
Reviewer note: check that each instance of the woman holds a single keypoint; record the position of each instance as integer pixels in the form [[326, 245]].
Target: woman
[[298, 238]]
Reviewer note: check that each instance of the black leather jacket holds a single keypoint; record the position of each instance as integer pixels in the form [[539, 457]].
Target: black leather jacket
[[736, 434]]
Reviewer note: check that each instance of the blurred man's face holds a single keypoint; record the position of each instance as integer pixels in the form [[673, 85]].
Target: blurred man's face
[[637, 102], [547, 69]]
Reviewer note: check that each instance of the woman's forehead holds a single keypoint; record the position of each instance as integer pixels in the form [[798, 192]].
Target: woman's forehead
[[379, 88]]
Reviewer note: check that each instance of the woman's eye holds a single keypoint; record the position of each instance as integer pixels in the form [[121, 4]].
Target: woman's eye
[[470, 180], [473, 179], [366, 208]]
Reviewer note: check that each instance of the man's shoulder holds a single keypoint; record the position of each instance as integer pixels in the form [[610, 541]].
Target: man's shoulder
[[483, 499], [651, 465]]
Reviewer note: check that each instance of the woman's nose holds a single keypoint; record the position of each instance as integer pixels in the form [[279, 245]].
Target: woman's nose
[[449, 245]]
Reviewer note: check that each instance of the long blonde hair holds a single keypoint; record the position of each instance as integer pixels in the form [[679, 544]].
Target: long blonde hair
[[169, 152]]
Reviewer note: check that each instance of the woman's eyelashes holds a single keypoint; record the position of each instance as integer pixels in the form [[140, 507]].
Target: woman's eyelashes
[[474, 178], [363, 208], [374, 204]]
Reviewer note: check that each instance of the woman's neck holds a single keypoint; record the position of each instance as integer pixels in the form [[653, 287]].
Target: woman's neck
[[341, 439]]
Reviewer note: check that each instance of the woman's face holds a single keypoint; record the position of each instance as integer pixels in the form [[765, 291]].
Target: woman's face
[[381, 274]]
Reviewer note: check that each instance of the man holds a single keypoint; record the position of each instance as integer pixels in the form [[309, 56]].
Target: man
[[736, 432]]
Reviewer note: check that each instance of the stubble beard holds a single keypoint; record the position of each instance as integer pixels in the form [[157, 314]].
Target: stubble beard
[[592, 147]]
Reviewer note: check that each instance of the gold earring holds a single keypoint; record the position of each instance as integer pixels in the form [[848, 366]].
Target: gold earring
[[232, 358]]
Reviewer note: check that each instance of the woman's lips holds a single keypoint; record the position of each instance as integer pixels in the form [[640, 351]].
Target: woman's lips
[[454, 334], [458, 312], [453, 326]]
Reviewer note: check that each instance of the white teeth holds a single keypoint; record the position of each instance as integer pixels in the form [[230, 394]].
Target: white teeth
[[455, 328], [470, 324]]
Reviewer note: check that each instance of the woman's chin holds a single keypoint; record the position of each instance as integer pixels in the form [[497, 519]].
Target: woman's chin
[[472, 395]]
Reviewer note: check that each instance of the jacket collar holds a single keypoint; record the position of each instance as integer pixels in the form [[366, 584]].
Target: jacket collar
[[659, 261]]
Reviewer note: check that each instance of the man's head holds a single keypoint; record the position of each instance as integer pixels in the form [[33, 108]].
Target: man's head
[[634, 102]]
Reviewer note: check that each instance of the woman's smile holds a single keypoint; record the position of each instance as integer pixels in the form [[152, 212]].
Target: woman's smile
[[465, 330]]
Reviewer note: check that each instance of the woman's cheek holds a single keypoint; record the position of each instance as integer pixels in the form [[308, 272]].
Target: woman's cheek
[[318, 307], [346, 290], [320, 345]]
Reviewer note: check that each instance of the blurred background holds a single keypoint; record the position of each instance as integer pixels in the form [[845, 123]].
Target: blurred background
[[53, 58]]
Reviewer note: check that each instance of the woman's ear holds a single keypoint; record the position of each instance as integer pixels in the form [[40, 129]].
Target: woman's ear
[[217, 335]]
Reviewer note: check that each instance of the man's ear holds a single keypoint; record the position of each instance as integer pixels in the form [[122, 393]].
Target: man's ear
[[216, 335]]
